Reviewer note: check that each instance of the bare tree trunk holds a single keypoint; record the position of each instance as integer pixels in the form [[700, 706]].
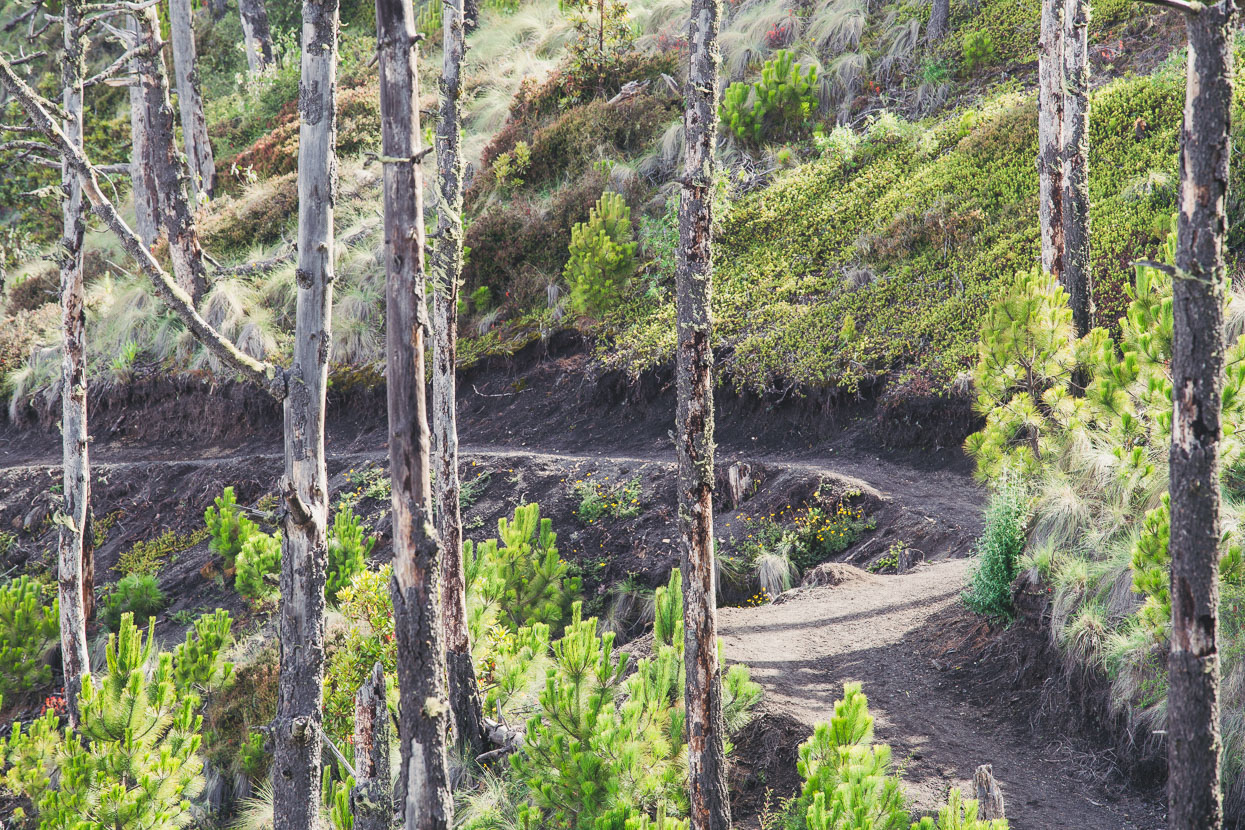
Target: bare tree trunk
[[73, 587], [371, 802], [256, 36], [710, 807], [189, 102], [1050, 129], [447, 267], [1198, 299], [1074, 151], [423, 707], [298, 727], [218, 7], [163, 163], [939, 21], [141, 184]]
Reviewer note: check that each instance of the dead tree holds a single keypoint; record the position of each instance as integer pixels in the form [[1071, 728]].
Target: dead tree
[[706, 757], [146, 207], [371, 801], [256, 35], [939, 21], [75, 588], [447, 268], [189, 102], [298, 727], [1074, 153], [1050, 129], [162, 161], [1199, 290], [423, 708]]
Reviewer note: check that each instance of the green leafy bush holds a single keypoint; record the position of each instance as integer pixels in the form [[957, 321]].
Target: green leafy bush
[[132, 765], [780, 103], [602, 255], [257, 563], [348, 551], [228, 528], [368, 638], [136, 594], [29, 625], [597, 499], [998, 549]]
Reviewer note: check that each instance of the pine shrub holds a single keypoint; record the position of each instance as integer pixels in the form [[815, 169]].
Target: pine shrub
[[602, 256], [137, 594], [959, 814], [196, 662], [257, 564], [780, 103], [29, 625], [228, 527], [348, 552], [998, 550]]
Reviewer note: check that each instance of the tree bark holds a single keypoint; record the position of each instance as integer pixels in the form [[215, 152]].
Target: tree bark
[[218, 8], [141, 185], [423, 706], [1050, 128], [298, 728], [75, 591], [706, 756], [939, 21], [256, 36], [371, 801], [189, 102], [447, 267], [164, 164], [1198, 299], [1074, 151]]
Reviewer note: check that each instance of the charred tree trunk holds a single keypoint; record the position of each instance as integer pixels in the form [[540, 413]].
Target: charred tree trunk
[[710, 807], [189, 102], [447, 267], [1074, 151], [939, 21], [371, 801], [1198, 299], [1050, 129], [163, 163], [75, 590], [298, 728], [423, 708], [141, 184], [256, 36], [218, 8]]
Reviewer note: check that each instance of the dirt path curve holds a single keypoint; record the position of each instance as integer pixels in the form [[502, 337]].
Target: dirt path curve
[[874, 630]]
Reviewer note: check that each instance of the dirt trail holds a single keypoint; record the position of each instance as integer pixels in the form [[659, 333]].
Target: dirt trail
[[877, 630]]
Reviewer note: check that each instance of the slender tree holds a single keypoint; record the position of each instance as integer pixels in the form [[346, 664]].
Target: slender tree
[[76, 592], [710, 807], [162, 162], [447, 267], [371, 802], [298, 728], [939, 21], [1050, 130], [256, 34], [189, 102], [423, 708], [1074, 153], [1199, 292], [142, 185]]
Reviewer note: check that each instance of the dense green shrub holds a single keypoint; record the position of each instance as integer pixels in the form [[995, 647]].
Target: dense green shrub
[[228, 528], [998, 550], [257, 564], [196, 662], [29, 625], [780, 103], [132, 765], [137, 594], [978, 49], [348, 551], [602, 256]]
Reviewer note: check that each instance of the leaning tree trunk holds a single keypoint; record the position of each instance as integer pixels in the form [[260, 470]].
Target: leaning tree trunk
[[1074, 150], [447, 267], [939, 21], [423, 708], [256, 36], [1050, 128], [710, 807], [142, 185], [189, 102], [298, 728], [163, 163], [1198, 299], [74, 589]]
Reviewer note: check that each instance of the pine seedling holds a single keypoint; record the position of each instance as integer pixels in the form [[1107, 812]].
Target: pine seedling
[[228, 527], [959, 814], [602, 255], [196, 663], [29, 625], [348, 551], [257, 562]]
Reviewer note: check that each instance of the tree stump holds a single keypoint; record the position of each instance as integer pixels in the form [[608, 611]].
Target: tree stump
[[989, 796]]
